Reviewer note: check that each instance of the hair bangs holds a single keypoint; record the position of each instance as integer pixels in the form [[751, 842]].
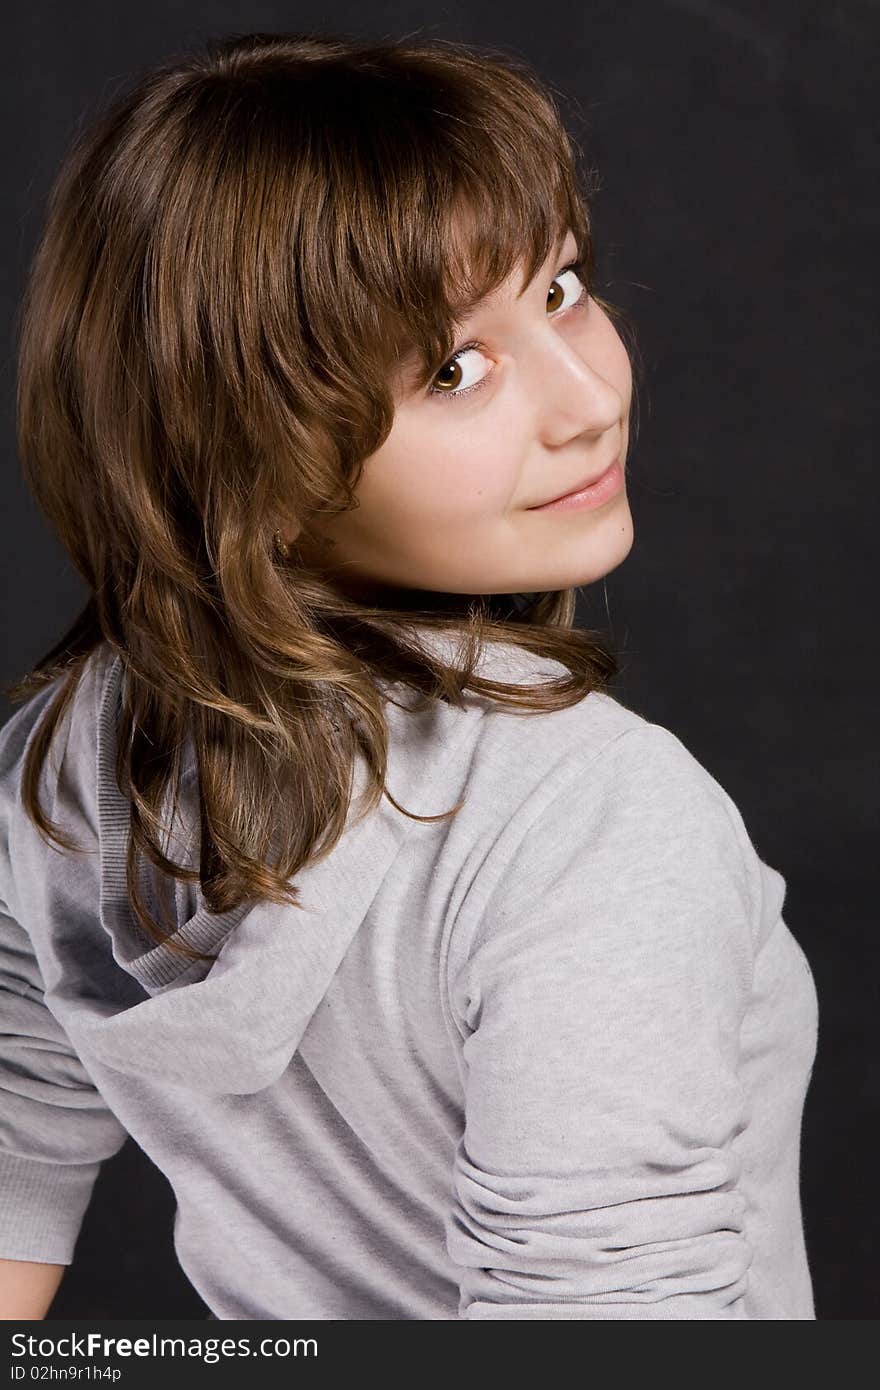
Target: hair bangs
[[486, 239], [478, 180]]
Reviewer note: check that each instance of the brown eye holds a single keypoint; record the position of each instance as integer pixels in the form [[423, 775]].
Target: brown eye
[[553, 300], [554, 303], [448, 377], [448, 381]]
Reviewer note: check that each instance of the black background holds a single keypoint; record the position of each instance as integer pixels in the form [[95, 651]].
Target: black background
[[737, 145]]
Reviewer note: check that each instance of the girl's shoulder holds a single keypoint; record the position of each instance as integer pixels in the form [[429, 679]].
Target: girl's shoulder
[[78, 724], [567, 773]]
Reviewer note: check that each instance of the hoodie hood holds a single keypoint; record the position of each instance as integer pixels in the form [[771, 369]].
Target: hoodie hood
[[228, 1025], [274, 962]]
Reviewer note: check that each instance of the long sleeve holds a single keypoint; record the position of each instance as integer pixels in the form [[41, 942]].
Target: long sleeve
[[601, 1001], [55, 1129]]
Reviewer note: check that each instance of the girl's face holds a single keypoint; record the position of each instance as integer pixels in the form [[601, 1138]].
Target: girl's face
[[446, 501]]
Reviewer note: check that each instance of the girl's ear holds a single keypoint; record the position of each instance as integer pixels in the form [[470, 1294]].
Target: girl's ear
[[285, 533]]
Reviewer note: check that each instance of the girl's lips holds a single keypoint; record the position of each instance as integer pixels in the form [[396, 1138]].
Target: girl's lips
[[607, 485]]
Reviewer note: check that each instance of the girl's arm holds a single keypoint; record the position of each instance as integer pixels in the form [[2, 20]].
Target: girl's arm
[[55, 1130], [27, 1289], [601, 1006]]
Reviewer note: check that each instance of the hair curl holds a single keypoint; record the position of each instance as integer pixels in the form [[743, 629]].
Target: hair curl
[[187, 383]]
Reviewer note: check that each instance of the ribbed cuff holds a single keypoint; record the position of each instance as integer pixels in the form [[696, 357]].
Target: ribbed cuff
[[42, 1206]]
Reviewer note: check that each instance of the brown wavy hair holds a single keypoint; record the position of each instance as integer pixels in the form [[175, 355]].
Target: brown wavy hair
[[237, 254]]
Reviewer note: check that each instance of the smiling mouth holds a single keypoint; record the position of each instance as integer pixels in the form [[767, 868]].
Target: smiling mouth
[[578, 487]]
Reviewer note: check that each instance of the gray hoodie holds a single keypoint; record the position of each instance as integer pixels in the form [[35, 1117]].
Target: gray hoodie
[[545, 1060]]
